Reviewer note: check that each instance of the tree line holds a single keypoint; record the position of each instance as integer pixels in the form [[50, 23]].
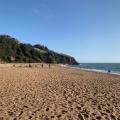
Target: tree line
[[11, 50]]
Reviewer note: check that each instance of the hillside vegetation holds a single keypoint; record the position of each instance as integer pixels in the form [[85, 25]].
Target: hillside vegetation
[[11, 50]]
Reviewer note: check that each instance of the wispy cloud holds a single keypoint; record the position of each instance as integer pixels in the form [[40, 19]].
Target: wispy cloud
[[43, 5], [49, 15], [35, 10], [42, 13]]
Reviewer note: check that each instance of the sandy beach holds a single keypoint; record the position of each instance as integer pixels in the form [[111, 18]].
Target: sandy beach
[[58, 93]]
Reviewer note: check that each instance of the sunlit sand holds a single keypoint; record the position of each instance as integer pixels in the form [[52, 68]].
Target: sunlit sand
[[57, 93]]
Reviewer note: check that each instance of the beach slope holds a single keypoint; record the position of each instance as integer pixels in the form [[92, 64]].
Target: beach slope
[[58, 93]]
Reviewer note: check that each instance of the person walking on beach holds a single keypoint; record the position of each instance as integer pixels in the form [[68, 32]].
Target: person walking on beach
[[42, 65], [109, 71], [49, 66], [29, 63]]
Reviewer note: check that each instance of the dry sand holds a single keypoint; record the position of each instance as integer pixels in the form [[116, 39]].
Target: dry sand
[[57, 94]]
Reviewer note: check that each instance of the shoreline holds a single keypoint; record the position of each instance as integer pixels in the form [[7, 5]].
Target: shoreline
[[68, 66], [92, 70]]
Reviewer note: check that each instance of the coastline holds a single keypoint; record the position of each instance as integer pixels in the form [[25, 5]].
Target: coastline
[[92, 70]]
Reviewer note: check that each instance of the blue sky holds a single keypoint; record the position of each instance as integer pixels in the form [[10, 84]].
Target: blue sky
[[89, 30]]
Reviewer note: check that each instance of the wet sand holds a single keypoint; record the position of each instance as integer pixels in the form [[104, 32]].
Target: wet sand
[[58, 93]]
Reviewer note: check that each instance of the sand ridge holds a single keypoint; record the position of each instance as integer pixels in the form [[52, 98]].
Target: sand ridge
[[57, 94]]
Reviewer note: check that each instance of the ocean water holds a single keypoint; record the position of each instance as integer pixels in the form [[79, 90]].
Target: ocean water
[[99, 67]]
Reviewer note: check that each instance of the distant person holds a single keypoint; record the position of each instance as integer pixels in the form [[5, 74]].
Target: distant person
[[109, 71], [30, 65], [49, 66], [42, 65]]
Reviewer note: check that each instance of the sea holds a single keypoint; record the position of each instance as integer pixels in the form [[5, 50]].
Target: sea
[[113, 68]]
